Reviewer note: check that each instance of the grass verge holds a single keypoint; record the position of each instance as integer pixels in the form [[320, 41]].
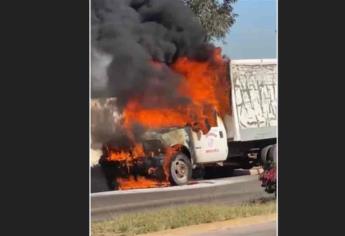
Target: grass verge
[[171, 218]]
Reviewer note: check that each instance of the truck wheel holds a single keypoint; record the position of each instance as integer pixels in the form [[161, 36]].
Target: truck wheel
[[264, 154], [180, 170], [273, 153]]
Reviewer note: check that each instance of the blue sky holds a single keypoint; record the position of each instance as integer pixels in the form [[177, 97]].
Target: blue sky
[[254, 33]]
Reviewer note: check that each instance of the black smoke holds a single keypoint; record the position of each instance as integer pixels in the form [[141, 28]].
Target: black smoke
[[129, 35]]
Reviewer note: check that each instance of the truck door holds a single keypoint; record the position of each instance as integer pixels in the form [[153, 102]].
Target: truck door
[[211, 147]]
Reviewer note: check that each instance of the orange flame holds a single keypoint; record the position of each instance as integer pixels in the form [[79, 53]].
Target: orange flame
[[121, 155], [204, 83], [169, 154], [139, 182]]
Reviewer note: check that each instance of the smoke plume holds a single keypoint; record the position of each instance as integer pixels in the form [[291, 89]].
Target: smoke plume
[[133, 42], [129, 36]]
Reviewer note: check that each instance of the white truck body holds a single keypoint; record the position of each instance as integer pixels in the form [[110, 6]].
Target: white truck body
[[254, 99], [253, 113]]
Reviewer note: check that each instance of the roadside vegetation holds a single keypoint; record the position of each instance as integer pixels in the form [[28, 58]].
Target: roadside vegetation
[[175, 217]]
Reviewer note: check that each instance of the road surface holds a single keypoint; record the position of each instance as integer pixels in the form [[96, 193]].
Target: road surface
[[262, 229], [107, 205]]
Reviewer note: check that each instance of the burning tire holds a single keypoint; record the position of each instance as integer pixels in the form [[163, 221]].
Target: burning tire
[[180, 170]]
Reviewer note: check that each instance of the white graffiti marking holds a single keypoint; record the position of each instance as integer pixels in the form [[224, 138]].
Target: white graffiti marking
[[255, 90]]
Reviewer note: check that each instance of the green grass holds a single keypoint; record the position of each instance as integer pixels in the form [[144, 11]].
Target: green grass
[[170, 218]]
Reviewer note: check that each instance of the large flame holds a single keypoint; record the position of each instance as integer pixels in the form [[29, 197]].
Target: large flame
[[118, 154], [204, 83], [134, 182]]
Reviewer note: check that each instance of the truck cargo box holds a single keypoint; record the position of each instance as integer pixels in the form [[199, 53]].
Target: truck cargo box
[[253, 100]]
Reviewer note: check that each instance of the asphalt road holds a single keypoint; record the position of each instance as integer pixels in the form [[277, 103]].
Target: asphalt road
[[262, 229], [106, 205]]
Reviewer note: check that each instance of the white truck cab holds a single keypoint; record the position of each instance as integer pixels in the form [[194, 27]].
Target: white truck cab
[[212, 146]]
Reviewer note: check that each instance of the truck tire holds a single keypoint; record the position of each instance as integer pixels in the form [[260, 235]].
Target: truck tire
[[180, 170], [273, 153], [264, 153]]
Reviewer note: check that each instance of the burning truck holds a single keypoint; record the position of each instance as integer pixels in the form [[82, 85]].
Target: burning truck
[[243, 136], [166, 103]]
